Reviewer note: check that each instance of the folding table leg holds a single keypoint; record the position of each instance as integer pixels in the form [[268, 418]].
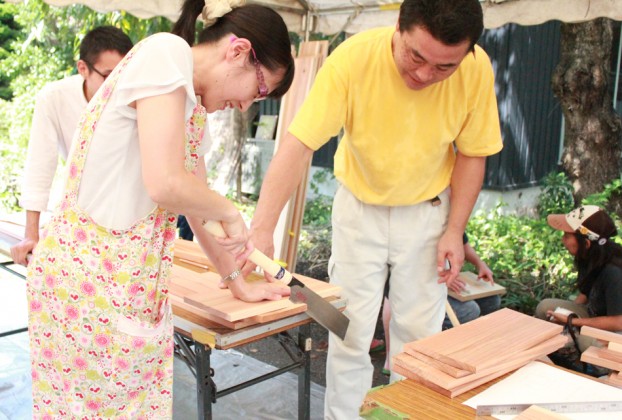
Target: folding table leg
[[206, 388], [304, 375]]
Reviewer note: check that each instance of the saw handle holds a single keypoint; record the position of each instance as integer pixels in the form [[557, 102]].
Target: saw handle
[[268, 265]]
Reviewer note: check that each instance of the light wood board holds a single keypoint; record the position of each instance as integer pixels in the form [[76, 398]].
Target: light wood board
[[602, 334], [602, 357], [201, 290], [538, 413], [486, 341], [475, 288], [414, 368], [310, 58]]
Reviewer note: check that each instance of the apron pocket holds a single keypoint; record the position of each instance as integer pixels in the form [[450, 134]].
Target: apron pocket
[[139, 329]]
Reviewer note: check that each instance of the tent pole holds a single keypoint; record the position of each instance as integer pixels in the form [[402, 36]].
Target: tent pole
[[617, 73], [353, 16], [307, 25]]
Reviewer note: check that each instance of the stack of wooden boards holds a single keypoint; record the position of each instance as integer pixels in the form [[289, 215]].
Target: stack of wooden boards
[[311, 56], [464, 357], [196, 296], [609, 356]]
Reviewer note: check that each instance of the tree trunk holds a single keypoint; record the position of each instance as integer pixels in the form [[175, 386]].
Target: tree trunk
[[582, 82], [228, 131]]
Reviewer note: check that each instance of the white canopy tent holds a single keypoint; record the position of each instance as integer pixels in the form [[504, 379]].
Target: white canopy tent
[[333, 16]]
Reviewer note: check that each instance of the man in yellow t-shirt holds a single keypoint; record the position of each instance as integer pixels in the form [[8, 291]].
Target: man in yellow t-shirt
[[419, 114]]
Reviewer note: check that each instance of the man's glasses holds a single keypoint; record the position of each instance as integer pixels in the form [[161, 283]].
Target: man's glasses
[[92, 67], [261, 81]]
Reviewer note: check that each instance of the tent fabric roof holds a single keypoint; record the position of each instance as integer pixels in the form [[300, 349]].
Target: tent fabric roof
[[332, 16]]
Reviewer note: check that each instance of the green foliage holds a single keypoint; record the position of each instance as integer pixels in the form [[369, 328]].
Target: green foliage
[[322, 176], [9, 32], [526, 256], [556, 195], [601, 199], [318, 211]]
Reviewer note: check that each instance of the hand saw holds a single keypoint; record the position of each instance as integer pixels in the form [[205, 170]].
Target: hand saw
[[318, 308]]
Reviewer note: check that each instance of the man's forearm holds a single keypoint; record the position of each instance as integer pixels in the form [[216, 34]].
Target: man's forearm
[[466, 183], [283, 176], [31, 230]]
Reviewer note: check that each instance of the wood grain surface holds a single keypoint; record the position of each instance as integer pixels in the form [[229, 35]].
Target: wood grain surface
[[195, 293], [475, 288], [486, 341]]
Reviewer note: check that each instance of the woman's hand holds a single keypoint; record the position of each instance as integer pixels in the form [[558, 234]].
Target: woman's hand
[[256, 291], [237, 241], [557, 317], [485, 273]]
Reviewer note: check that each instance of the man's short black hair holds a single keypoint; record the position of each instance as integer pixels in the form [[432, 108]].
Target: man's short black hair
[[104, 38], [449, 21]]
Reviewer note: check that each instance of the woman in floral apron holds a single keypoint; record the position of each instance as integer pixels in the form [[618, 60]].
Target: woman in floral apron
[[100, 324]]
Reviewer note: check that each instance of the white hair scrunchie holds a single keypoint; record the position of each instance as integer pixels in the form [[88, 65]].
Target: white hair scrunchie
[[215, 9]]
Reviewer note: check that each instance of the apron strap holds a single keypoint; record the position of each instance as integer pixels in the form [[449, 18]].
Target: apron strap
[[87, 126]]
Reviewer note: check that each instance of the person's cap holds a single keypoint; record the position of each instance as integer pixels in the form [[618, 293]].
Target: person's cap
[[590, 221]]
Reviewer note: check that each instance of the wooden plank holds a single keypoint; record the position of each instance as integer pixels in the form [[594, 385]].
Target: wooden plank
[[538, 413], [420, 402], [420, 369], [615, 347], [602, 334], [596, 356], [476, 288], [271, 316], [437, 364], [287, 230], [195, 291], [312, 54], [201, 291], [483, 342], [191, 252], [615, 379]]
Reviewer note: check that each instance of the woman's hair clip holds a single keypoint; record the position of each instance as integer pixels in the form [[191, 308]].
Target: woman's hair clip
[[602, 241], [215, 9]]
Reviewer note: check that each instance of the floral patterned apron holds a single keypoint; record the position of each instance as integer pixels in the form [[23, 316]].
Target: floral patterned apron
[[100, 324]]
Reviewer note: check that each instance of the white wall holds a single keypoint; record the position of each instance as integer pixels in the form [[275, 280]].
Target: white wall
[[521, 201]]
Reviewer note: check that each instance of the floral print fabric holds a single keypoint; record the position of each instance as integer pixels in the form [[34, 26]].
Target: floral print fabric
[[100, 325]]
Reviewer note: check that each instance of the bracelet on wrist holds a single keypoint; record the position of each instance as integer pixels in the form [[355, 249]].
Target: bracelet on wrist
[[232, 276]]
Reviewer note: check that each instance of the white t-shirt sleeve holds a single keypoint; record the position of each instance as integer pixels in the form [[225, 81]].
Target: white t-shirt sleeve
[[159, 67], [58, 107]]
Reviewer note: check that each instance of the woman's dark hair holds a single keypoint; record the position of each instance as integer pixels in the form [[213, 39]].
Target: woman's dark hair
[[262, 26], [590, 260], [449, 21]]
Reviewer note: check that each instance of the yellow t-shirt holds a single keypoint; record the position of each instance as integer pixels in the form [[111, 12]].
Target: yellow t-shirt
[[398, 143]]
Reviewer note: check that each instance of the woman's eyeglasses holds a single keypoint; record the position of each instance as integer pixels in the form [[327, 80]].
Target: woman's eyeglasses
[[261, 81]]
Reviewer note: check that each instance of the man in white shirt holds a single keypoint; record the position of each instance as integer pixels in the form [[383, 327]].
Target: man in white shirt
[[58, 109]]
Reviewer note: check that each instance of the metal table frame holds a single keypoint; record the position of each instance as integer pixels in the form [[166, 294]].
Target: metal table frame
[[197, 357], [5, 265]]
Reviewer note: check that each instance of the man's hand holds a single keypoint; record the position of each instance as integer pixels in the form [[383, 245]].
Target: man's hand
[[457, 285], [449, 258], [21, 251], [263, 241]]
